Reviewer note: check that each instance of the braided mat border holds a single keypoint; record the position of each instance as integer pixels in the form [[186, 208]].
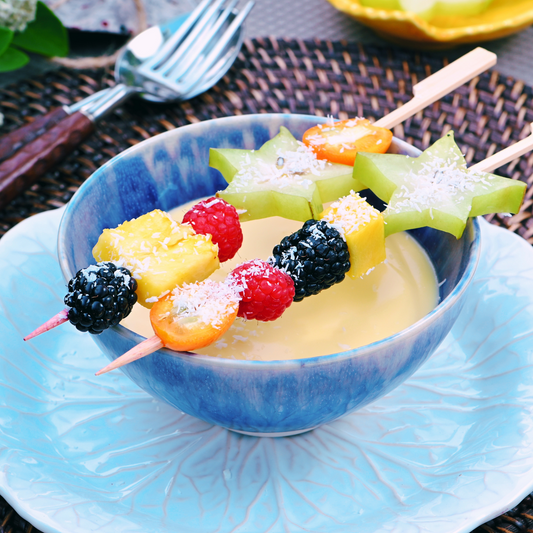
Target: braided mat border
[[290, 76]]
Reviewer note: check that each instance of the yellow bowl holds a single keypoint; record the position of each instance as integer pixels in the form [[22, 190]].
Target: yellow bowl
[[501, 18]]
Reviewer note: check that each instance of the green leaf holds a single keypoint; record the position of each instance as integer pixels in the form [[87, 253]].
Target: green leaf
[[45, 35], [6, 35], [12, 59]]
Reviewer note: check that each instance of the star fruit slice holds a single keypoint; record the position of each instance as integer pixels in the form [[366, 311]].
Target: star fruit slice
[[283, 178], [435, 189]]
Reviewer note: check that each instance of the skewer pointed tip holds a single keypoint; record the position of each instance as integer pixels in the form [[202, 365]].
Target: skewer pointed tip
[[53, 322], [146, 347]]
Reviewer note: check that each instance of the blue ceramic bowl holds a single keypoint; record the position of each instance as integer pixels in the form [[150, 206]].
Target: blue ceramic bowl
[[260, 398]]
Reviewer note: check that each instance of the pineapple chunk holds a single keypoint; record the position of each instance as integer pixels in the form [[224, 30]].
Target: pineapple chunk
[[363, 229], [161, 254]]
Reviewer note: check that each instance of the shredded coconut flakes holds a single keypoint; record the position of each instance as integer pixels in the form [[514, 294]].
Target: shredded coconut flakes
[[350, 213], [437, 181], [296, 164], [207, 301]]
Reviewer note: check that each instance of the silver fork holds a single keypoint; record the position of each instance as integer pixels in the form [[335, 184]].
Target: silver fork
[[188, 63], [189, 55], [207, 43]]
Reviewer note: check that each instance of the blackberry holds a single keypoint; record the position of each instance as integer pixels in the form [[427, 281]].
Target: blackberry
[[100, 296], [316, 257]]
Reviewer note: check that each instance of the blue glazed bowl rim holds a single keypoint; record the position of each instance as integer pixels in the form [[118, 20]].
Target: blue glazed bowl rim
[[413, 330]]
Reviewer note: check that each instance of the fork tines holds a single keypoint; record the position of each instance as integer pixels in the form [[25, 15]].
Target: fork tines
[[203, 47]]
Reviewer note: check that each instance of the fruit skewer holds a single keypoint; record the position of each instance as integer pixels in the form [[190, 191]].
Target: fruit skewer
[[288, 255], [80, 291], [425, 93]]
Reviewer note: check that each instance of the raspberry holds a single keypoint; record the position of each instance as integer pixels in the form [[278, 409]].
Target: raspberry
[[219, 219], [265, 290]]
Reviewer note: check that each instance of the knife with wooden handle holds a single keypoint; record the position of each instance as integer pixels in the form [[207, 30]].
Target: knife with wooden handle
[[26, 165], [21, 170], [13, 141]]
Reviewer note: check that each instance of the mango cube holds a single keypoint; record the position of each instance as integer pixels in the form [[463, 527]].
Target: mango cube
[[364, 230], [160, 253]]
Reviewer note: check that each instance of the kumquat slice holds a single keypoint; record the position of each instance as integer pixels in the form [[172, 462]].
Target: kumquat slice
[[190, 317], [340, 141]]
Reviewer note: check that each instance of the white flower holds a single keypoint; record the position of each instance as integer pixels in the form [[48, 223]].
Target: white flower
[[15, 14]]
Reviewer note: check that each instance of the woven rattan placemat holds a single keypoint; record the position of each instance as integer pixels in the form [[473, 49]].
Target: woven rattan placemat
[[310, 77]]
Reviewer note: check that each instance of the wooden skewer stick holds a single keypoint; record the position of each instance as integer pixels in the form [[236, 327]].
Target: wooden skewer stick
[[146, 347], [505, 156], [441, 83], [53, 322]]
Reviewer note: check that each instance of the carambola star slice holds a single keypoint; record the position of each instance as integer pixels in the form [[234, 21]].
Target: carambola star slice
[[283, 178], [435, 189]]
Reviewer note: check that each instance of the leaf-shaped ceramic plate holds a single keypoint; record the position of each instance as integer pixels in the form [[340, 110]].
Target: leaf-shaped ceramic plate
[[503, 17], [444, 452]]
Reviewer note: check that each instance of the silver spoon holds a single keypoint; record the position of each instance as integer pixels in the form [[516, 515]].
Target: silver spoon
[[209, 52]]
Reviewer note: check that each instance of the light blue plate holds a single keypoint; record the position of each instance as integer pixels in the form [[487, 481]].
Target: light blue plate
[[444, 452]]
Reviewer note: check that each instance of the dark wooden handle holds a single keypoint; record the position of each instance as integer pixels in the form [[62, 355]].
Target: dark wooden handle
[[24, 168], [15, 140]]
